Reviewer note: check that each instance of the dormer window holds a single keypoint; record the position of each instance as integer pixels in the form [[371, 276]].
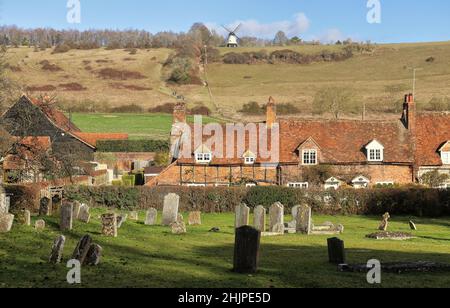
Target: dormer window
[[203, 155], [249, 158], [309, 157], [375, 152], [445, 153]]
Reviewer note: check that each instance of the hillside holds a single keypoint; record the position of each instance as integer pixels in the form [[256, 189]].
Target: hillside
[[140, 77]]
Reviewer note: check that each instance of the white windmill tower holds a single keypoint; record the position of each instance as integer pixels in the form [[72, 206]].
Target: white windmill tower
[[233, 39]]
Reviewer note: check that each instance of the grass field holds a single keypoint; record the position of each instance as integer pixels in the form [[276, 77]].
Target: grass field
[[138, 126], [144, 256]]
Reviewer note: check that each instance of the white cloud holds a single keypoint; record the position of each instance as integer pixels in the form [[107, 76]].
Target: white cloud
[[333, 35], [295, 27]]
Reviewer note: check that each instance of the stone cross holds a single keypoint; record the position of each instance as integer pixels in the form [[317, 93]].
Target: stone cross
[[385, 222], [336, 251], [170, 210], [242, 216], [195, 218], [109, 225], [304, 223], [259, 218], [151, 217], [276, 218], [246, 250], [82, 248], [84, 215], [66, 220], [57, 250], [6, 222]]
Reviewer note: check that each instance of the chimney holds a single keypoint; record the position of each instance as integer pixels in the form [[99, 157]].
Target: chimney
[[409, 112], [179, 113], [271, 115]]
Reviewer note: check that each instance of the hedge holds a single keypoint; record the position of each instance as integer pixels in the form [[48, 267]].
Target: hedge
[[139, 146], [408, 201]]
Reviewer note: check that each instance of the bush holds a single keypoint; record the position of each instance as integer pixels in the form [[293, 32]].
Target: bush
[[133, 108], [117, 146], [252, 108]]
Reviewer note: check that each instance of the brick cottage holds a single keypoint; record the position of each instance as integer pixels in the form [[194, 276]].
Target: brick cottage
[[352, 153]]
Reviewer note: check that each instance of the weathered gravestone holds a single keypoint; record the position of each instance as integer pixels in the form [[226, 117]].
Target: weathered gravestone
[[84, 215], [385, 222], [246, 250], [76, 209], [304, 220], [39, 225], [151, 217], [242, 216], [109, 224], [121, 219], [178, 227], [195, 218], [66, 221], [82, 248], [259, 218], [24, 218], [293, 224], [276, 214], [56, 204], [134, 216], [3, 203], [170, 210], [336, 251], [94, 255], [412, 225], [6, 222], [57, 250], [45, 207]]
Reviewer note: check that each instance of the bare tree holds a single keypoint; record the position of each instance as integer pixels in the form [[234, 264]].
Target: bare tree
[[335, 100]]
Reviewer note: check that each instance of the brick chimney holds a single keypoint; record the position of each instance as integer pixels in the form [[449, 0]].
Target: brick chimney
[[409, 112], [271, 114], [179, 113]]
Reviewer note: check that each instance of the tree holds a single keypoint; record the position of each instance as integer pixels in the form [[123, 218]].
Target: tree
[[434, 179], [335, 100], [7, 88], [200, 33], [296, 40], [162, 159], [280, 39]]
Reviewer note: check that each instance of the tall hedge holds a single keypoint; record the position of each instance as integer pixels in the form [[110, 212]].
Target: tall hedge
[[116, 146], [414, 202]]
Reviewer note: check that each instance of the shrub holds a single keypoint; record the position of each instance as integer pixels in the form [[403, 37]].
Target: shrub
[[132, 108], [115, 74], [166, 108], [252, 108], [287, 109], [61, 48], [114, 146]]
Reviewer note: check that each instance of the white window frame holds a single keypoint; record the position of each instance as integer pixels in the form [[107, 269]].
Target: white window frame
[[250, 160], [445, 156], [375, 152], [386, 183], [298, 185], [195, 185], [310, 161], [203, 158], [250, 185]]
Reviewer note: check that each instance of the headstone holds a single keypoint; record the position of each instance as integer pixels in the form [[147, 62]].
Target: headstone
[[340, 228], [180, 218], [66, 221], [276, 218], [293, 224], [121, 219], [242, 216], [94, 255], [151, 217], [304, 223], [3, 203], [246, 250], [109, 225], [195, 218], [170, 210], [24, 218], [57, 250], [134, 216], [8, 203], [56, 204], [336, 251], [412, 225], [259, 218], [6, 222], [82, 248], [76, 209], [39, 225], [178, 228], [84, 215], [45, 207], [385, 222]]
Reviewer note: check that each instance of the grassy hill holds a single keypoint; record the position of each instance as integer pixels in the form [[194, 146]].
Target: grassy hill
[[234, 85]]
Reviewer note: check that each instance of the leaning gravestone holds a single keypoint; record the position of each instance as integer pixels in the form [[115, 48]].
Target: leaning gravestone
[[195, 218], [304, 223], [6, 222], [246, 250], [84, 215], [76, 209], [259, 218], [109, 225], [39, 225], [385, 222], [121, 219], [24, 218], [336, 251], [66, 221], [57, 250], [151, 217], [45, 207], [412, 225], [94, 255], [276, 217], [82, 249], [170, 210], [242, 216]]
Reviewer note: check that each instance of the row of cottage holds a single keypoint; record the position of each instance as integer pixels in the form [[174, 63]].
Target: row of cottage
[[355, 153]]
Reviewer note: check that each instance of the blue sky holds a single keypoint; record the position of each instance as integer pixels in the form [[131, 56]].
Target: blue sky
[[401, 20]]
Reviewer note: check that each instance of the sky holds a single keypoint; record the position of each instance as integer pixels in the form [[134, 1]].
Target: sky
[[326, 20]]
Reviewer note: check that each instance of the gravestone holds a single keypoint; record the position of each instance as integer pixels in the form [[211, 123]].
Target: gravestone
[[121, 219], [84, 215], [304, 223], [246, 250], [82, 248], [178, 227], [242, 216], [7, 203], [3, 206], [170, 210], [57, 250], [385, 222], [195, 218], [276, 218], [151, 217], [109, 224], [94, 255], [6, 222], [56, 204], [39, 225], [293, 224], [412, 225], [259, 218], [336, 251], [66, 221], [134, 216], [76, 210], [24, 218], [45, 207]]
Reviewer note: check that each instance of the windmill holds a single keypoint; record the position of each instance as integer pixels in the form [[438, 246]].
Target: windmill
[[233, 39]]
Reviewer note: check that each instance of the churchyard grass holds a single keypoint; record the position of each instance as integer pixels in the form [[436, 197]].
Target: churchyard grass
[[151, 256]]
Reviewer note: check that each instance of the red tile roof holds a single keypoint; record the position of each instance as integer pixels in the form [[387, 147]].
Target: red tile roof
[[56, 116], [93, 138], [432, 132]]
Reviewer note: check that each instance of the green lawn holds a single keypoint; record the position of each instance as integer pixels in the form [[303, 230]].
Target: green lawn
[[144, 256], [138, 126]]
